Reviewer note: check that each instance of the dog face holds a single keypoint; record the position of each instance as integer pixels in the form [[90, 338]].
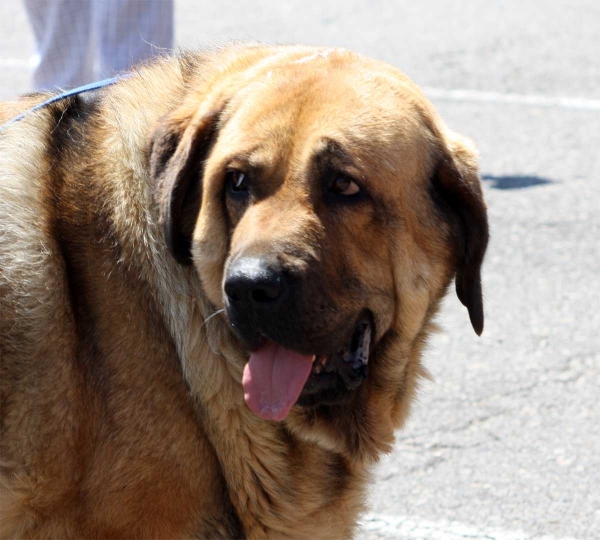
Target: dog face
[[326, 209]]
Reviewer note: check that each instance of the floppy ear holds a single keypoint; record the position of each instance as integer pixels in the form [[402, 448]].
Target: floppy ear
[[457, 180], [178, 150]]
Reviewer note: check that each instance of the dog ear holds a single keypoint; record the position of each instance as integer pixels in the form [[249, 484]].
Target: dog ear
[[457, 181], [178, 150]]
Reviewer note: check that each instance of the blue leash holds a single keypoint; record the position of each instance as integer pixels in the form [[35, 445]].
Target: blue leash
[[68, 93]]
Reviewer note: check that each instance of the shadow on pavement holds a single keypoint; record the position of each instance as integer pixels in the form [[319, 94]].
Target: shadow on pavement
[[515, 182]]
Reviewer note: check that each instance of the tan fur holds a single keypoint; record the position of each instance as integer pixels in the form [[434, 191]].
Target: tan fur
[[122, 411]]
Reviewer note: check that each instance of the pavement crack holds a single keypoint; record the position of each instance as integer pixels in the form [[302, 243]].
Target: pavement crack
[[476, 421], [416, 441]]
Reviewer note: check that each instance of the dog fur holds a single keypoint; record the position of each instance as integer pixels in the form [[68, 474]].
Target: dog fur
[[122, 409]]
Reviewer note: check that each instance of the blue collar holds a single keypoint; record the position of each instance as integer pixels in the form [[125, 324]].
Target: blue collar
[[68, 93]]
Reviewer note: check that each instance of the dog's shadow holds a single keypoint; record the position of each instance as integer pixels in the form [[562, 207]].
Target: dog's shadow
[[515, 182]]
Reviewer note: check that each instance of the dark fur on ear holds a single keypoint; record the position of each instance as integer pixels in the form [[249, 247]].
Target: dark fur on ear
[[456, 180], [177, 155]]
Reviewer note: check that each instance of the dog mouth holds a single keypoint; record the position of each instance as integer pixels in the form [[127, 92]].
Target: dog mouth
[[275, 379]]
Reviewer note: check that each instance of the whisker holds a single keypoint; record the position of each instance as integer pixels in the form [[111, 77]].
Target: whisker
[[213, 315]]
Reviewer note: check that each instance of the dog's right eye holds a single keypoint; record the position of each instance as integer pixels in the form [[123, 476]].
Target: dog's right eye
[[237, 181], [342, 185]]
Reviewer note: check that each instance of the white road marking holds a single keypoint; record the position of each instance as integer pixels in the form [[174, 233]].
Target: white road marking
[[411, 527], [536, 100]]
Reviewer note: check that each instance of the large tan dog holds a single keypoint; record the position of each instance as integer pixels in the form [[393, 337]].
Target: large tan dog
[[217, 276]]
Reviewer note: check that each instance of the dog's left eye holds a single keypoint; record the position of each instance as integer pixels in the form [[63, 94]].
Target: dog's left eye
[[342, 185], [237, 181]]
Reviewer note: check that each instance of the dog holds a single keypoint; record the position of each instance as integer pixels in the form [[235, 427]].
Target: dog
[[217, 276]]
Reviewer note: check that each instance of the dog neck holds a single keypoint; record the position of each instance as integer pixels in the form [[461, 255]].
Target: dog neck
[[281, 485]]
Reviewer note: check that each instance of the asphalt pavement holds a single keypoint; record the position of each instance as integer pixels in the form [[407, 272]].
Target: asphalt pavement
[[504, 443]]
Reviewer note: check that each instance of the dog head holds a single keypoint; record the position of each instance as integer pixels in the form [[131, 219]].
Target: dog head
[[326, 208]]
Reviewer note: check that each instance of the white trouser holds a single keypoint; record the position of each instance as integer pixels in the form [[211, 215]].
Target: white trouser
[[69, 32]]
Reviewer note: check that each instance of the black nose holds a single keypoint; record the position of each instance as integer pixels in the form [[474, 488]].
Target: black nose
[[255, 283]]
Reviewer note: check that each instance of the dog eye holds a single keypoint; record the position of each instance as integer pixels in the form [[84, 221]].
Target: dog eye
[[237, 181], [342, 185]]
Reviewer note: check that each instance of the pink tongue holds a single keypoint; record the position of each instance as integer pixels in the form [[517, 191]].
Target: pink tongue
[[273, 379]]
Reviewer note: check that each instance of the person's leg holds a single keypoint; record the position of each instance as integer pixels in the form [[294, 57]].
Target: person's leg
[[62, 35], [130, 31]]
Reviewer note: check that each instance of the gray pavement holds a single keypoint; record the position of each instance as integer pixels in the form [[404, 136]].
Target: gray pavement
[[505, 442]]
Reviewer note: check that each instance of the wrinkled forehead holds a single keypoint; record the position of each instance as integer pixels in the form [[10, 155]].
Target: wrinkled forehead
[[326, 104]]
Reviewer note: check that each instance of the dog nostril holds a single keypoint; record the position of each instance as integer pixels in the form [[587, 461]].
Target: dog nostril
[[266, 293]]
